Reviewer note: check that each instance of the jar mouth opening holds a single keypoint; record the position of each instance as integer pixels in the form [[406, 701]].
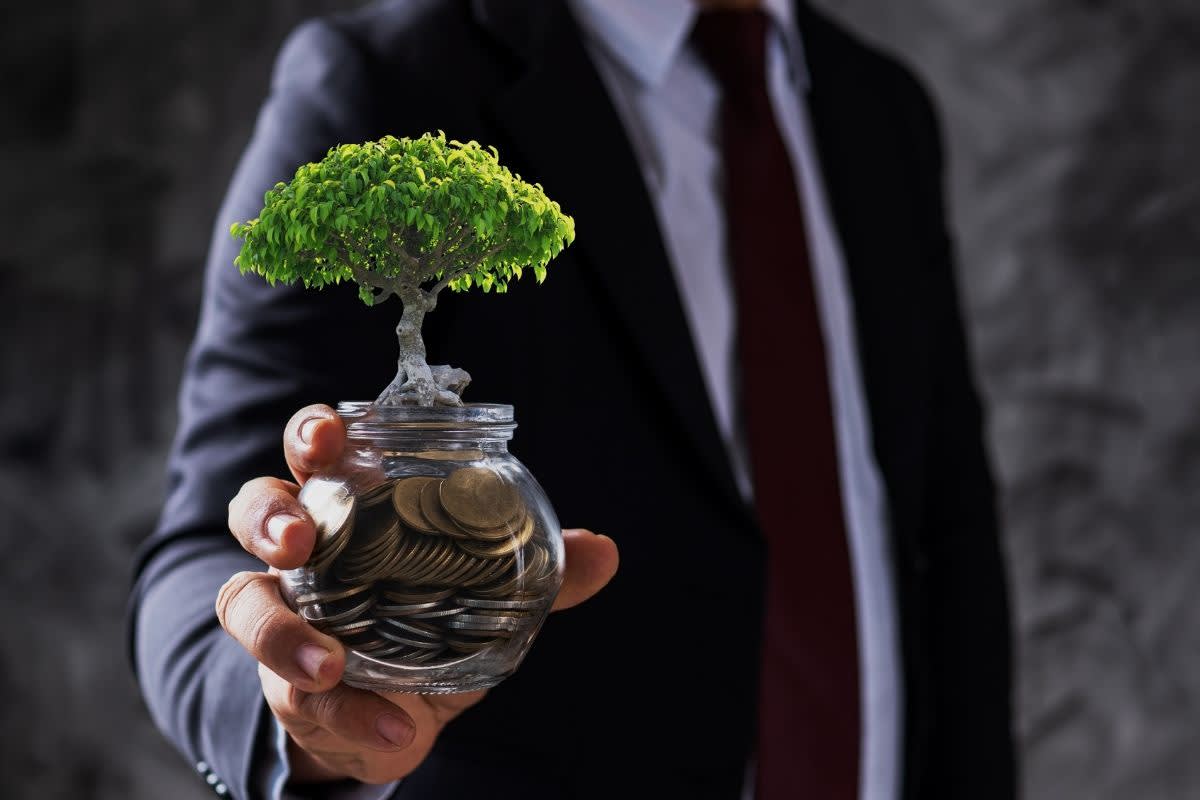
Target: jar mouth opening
[[366, 418]]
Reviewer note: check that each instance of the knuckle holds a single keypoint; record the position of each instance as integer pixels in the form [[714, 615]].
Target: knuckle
[[321, 707], [232, 593], [265, 630], [244, 610], [289, 711], [254, 498]]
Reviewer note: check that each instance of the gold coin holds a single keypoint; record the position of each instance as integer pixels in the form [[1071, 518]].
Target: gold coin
[[503, 532], [514, 542], [375, 495], [398, 593], [435, 515], [435, 562], [406, 499], [479, 499], [397, 566], [366, 551], [488, 571], [502, 587], [440, 573], [461, 571]]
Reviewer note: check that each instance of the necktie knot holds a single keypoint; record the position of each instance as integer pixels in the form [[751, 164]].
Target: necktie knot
[[733, 43]]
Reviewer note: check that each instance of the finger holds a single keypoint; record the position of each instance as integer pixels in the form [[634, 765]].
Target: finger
[[270, 523], [591, 561], [313, 439], [359, 718], [252, 612]]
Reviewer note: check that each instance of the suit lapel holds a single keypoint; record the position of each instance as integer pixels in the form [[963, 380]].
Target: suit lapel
[[555, 108], [865, 176]]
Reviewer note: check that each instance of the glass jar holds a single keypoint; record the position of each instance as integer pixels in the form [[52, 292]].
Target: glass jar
[[438, 555]]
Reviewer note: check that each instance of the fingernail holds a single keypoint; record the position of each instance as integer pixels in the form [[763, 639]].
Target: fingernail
[[277, 524], [307, 427], [310, 657], [394, 729]]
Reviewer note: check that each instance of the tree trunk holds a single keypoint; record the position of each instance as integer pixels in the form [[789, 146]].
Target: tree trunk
[[415, 383]]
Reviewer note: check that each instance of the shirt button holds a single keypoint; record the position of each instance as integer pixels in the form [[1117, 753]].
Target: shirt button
[[212, 779], [202, 767], [221, 790]]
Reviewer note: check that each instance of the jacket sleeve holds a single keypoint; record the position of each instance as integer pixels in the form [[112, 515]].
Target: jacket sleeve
[[250, 367], [972, 748]]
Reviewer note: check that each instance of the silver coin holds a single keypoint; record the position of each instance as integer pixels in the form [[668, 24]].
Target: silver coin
[[470, 645], [329, 595], [370, 645], [405, 609], [439, 613], [425, 656], [414, 628], [332, 508], [389, 649], [471, 622], [309, 613], [531, 604], [420, 644], [350, 628]]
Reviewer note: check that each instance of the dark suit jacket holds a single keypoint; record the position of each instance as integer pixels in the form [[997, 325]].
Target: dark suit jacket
[[650, 688]]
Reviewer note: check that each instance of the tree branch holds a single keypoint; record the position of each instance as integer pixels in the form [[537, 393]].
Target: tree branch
[[449, 277], [409, 261], [452, 243], [371, 281]]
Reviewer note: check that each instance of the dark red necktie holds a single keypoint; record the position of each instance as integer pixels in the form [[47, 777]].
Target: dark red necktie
[[808, 732]]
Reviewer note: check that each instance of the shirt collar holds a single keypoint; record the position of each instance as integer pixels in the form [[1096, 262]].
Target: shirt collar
[[646, 36]]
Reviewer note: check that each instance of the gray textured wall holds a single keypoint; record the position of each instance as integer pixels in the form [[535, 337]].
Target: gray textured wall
[[1076, 199]]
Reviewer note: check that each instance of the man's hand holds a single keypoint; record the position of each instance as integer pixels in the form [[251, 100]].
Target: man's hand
[[336, 731]]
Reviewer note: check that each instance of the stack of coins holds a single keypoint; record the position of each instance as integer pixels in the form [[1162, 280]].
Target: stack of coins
[[423, 569]]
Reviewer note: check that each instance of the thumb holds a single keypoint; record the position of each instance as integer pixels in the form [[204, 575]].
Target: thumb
[[591, 561]]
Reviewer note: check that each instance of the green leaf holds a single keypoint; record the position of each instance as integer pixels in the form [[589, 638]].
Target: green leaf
[[422, 194]]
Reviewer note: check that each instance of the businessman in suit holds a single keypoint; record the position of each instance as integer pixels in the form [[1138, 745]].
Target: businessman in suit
[[749, 370]]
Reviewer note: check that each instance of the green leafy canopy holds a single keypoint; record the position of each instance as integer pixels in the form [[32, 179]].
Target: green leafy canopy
[[395, 214]]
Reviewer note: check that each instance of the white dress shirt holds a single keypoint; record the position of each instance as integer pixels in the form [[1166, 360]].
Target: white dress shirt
[[669, 104]]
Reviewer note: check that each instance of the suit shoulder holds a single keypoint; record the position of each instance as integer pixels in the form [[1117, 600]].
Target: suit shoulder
[[368, 35], [387, 30], [897, 88]]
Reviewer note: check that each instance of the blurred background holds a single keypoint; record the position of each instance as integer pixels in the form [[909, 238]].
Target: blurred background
[[1072, 127]]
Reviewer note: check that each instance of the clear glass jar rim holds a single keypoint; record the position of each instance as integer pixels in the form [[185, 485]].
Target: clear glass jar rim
[[366, 418]]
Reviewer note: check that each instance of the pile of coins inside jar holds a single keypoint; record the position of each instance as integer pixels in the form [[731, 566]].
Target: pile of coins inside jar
[[423, 570]]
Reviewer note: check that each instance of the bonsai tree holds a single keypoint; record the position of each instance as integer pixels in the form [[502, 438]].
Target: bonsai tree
[[406, 217]]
